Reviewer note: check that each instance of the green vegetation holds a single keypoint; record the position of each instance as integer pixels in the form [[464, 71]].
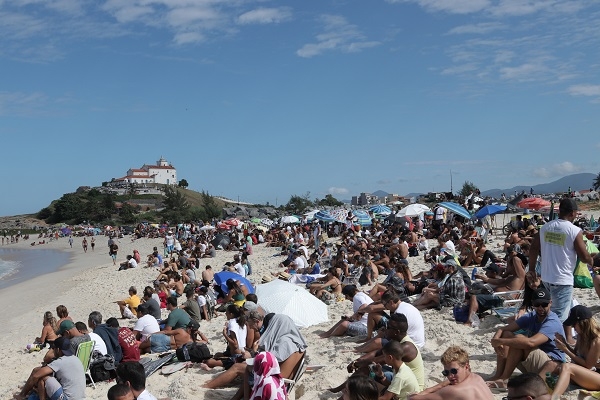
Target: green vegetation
[[597, 182], [467, 189], [95, 207], [300, 204]]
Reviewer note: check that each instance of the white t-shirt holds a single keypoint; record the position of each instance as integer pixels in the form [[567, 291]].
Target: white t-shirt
[[239, 268], [147, 325], [132, 263], [416, 327], [99, 344], [201, 301], [240, 332], [360, 299], [170, 239], [558, 252], [145, 396]]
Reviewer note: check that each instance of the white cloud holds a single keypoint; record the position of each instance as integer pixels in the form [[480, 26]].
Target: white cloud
[[524, 72], [481, 28], [560, 169], [22, 104], [265, 16], [338, 35], [450, 6], [188, 37], [337, 190], [584, 90]]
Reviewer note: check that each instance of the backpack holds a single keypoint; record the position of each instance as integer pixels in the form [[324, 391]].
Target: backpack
[[103, 367], [413, 251], [194, 352]]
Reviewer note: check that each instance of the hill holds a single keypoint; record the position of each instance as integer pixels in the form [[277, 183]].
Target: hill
[[581, 181]]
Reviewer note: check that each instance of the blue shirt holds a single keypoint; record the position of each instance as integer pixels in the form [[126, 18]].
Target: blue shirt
[[548, 327]]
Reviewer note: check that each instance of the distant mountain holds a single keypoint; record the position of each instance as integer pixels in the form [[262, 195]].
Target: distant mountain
[[380, 193], [577, 182]]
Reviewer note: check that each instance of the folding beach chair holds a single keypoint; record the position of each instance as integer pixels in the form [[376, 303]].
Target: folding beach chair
[[84, 353], [353, 277], [510, 307], [296, 374]]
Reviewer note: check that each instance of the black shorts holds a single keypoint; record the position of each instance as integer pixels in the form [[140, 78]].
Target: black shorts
[[488, 301]]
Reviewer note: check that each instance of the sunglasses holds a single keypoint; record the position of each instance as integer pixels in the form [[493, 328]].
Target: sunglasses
[[541, 304], [451, 371]]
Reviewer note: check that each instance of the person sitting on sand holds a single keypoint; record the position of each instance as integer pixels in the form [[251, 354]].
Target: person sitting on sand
[[176, 286], [61, 377], [146, 323], [128, 306], [356, 324], [531, 350], [451, 293], [403, 382], [237, 292], [527, 385], [127, 340], [461, 383], [132, 373], [130, 263], [62, 313], [69, 330], [234, 332], [327, 287], [48, 335], [173, 339], [120, 391]]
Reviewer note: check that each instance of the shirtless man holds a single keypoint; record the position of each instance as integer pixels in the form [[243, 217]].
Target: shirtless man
[[176, 286], [462, 384], [208, 274], [511, 279]]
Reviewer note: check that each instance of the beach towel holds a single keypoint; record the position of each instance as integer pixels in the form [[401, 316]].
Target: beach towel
[[268, 384], [151, 366], [281, 337]]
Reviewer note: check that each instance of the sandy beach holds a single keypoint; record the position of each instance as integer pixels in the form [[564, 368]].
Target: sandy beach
[[90, 282]]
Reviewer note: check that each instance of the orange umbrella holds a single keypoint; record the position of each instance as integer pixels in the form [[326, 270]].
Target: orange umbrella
[[534, 203]]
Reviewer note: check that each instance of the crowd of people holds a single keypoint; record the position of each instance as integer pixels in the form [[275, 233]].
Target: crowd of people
[[368, 266]]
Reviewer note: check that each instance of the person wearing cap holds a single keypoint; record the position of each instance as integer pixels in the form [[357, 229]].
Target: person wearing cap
[[62, 376], [582, 370], [560, 244], [531, 350], [68, 329], [169, 243], [451, 293]]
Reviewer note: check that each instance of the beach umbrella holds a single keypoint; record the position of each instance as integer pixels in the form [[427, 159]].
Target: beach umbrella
[[255, 220], [207, 228], [324, 216], [221, 280], [224, 226], [282, 297], [220, 240], [413, 210], [339, 215], [380, 209], [290, 219], [362, 218], [310, 214], [533, 203], [266, 222], [233, 222], [490, 209], [456, 209]]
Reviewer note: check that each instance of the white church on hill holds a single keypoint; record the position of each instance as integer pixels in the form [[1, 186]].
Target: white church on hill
[[163, 172]]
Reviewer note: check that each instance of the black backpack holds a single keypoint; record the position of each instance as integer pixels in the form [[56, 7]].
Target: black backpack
[[194, 352]]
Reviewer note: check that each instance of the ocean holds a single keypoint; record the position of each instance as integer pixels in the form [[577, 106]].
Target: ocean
[[18, 265]]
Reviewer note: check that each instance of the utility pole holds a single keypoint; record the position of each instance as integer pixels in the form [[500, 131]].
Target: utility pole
[[451, 191]]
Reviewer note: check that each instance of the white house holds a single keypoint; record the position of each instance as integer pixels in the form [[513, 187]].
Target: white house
[[163, 173]]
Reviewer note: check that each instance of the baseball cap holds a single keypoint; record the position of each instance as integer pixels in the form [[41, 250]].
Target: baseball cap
[[250, 306], [65, 326], [578, 313], [492, 267], [64, 344], [541, 294], [193, 325]]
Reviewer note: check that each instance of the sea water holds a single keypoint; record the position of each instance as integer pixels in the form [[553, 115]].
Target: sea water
[[19, 265]]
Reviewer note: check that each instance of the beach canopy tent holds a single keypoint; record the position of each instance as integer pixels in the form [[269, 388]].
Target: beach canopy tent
[[413, 210], [533, 203], [221, 280], [220, 240], [490, 209], [282, 297], [361, 217], [456, 209]]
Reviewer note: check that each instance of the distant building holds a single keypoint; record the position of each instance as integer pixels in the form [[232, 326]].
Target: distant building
[[364, 199], [162, 173]]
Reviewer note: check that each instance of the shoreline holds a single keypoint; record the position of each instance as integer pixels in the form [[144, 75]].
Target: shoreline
[[48, 263]]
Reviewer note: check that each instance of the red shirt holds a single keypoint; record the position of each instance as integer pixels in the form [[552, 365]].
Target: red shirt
[[131, 351]]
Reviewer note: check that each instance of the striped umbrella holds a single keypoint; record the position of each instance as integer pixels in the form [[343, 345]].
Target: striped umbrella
[[456, 209], [362, 217], [340, 214], [380, 209], [266, 222], [324, 216]]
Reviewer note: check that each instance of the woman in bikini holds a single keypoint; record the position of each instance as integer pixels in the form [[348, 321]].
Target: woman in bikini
[[328, 287], [48, 331]]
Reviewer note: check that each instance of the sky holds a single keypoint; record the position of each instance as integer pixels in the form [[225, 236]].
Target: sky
[[260, 100]]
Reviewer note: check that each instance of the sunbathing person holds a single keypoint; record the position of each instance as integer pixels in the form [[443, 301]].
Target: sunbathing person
[[327, 287], [48, 335], [173, 339]]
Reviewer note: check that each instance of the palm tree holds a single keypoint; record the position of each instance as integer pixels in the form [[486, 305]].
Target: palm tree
[[597, 182]]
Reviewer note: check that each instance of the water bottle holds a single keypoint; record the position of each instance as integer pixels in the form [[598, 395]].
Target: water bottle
[[475, 322], [473, 273], [551, 380]]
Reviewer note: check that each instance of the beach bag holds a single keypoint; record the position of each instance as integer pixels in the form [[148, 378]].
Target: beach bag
[[461, 313], [103, 367], [194, 352], [413, 251], [479, 287], [582, 277]]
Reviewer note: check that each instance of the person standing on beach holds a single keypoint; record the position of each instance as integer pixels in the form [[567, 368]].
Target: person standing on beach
[[112, 251], [84, 244], [560, 244], [93, 243], [70, 241]]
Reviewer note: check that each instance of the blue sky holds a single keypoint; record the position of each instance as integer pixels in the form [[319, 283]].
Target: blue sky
[[267, 99]]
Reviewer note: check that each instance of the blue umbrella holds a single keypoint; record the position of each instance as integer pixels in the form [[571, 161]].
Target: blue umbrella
[[221, 280], [324, 216], [490, 209], [362, 217], [456, 209], [380, 209]]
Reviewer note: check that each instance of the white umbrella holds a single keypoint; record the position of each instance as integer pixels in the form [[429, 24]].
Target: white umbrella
[[207, 228], [282, 297], [413, 210], [290, 219]]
